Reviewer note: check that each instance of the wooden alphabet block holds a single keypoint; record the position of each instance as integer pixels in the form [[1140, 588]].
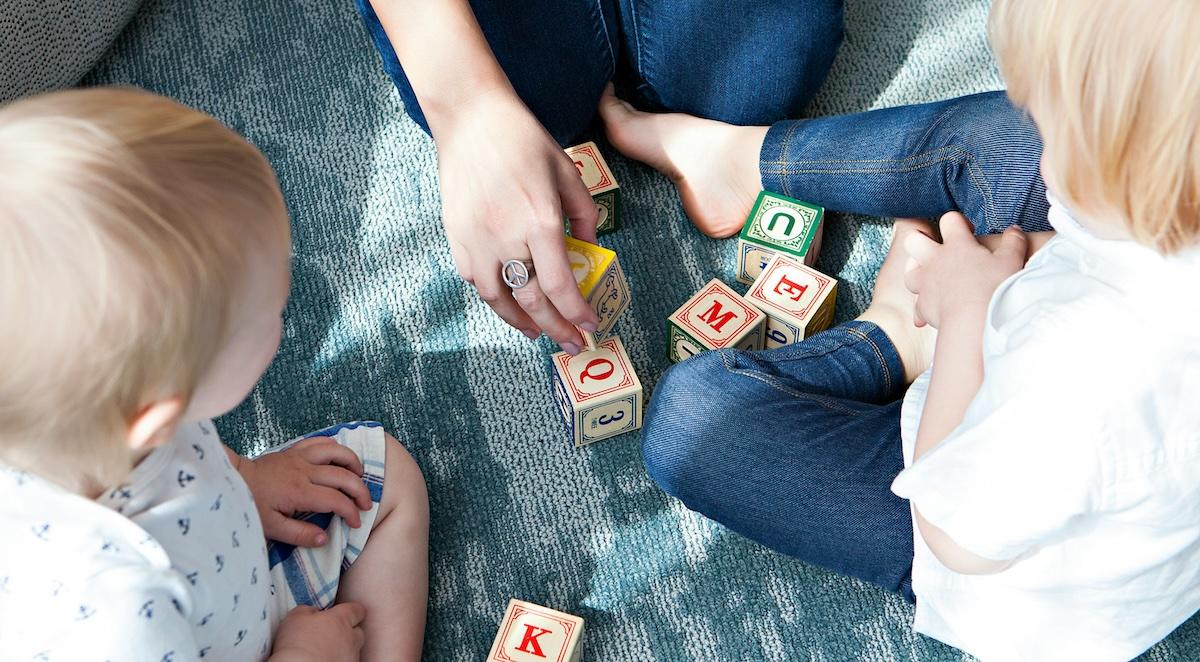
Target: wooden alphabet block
[[600, 183], [778, 224], [714, 318], [798, 301], [601, 281], [533, 633], [598, 393]]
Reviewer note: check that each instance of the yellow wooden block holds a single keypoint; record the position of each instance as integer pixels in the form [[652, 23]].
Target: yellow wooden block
[[601, 281]]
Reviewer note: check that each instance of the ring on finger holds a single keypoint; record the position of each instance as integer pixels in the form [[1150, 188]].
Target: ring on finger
[[516, 273]]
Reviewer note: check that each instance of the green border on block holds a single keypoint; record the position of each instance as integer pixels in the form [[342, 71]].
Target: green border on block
[[767, 242], [611, 200], [673, 330]]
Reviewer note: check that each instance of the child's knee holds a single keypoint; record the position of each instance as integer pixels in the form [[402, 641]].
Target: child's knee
[[404, 491], [684, 421]]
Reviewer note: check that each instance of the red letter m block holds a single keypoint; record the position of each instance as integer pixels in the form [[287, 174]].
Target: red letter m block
[[714, 318], [529, 643]]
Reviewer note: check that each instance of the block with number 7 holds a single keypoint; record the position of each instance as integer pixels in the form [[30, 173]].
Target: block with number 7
[[714, 318], [599, 395], [797, 301], [599, 180], [533, 633], [778, 225]]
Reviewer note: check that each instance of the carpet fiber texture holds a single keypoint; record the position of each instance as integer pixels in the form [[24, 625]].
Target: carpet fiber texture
[[379, 326]]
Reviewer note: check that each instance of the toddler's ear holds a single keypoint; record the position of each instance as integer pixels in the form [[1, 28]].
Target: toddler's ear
[[154, 424]]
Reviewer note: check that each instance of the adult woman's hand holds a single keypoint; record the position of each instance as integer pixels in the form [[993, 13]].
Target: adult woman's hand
[[506, 186]]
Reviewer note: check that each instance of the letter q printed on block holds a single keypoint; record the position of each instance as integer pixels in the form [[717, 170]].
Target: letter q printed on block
[[598, 273], [600, 182], [776, 225], [798, 301], [533, 633], [598, 393], [714, 318]]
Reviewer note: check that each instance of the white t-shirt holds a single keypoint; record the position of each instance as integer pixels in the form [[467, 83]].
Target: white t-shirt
[[1080, 456], [170, 567]]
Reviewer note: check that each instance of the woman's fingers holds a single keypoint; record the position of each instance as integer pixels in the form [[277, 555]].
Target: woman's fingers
[[538, 306], [577, 203], [554, 275], [496, 293]]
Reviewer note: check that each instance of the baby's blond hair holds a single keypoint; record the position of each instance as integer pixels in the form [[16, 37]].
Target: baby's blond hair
[[124, 222], [1114, 86]]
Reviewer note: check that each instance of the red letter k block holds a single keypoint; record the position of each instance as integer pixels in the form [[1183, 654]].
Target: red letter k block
[[529, 643]]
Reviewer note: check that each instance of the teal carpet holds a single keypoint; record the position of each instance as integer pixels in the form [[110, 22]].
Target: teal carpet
[[379, 326]]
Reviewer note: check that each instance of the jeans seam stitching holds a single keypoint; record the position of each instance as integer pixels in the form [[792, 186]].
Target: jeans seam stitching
[[913, 157], [637, 38], [598, 19], [775, 384], [784, 148], [887, 371], [846, 171]]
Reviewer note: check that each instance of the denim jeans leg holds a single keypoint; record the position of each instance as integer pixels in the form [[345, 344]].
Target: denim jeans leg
[[977, 154], [558, 55], [739, 61], [795, 448]]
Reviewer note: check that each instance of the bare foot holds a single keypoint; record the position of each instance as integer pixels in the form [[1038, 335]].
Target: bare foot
[[892, 304], [714, 165]]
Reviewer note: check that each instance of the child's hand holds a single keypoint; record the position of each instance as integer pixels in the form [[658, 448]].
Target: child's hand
[[308, 635], [316, 475], [958, 275]]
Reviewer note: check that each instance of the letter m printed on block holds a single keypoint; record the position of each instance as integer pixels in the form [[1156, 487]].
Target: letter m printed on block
[[715, 318]]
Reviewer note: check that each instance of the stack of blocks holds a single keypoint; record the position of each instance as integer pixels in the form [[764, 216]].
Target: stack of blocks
[[599, 395], [787, 301], [599, 180], [533, 633], [778, 224]]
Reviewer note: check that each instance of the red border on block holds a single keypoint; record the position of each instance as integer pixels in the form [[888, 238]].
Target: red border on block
[[569, 625], [563, 358], [823, 282], [605, 180], [751, 314]]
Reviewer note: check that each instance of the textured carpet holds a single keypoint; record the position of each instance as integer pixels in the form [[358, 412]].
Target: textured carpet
[[379, 326]]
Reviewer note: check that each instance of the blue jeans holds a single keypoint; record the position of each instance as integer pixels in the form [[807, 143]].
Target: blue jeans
[[704, 57], [795, 448], [976, 154]]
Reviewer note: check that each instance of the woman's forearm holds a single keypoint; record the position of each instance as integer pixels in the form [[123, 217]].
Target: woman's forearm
[[444, 53]]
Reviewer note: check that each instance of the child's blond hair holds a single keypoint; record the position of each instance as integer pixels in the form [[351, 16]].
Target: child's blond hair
[[124, 221], [1114, 86]]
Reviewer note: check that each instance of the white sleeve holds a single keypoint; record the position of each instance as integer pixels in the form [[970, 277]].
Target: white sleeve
[[126, 614], [1026, 463]]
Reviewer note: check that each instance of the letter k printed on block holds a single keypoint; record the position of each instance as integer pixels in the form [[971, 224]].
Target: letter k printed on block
[[532, 633]]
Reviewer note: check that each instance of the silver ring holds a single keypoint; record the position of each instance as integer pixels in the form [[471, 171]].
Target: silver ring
[[516, 273]]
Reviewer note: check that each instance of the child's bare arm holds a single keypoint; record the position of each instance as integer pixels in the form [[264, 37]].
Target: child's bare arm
[[954, 283]]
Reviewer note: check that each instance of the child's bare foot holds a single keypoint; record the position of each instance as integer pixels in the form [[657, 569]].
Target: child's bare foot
[[892, 304], [714, 165]]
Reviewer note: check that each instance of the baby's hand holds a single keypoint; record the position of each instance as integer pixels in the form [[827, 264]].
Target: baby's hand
[[317, 475], [958, 275], [308, 635]]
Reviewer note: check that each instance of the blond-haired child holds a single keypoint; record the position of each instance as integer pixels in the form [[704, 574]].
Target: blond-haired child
[[144, 266], [1049, 459]]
